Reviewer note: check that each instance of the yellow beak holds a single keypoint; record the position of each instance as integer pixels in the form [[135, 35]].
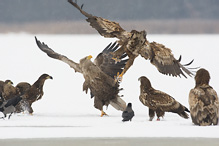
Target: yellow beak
[[89, 57]]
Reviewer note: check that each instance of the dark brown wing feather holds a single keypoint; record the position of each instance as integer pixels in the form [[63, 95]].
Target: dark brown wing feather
[[107, 64], [105, 27], [43, 47], [163, 59]]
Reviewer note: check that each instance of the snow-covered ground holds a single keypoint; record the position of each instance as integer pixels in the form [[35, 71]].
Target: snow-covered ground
[[66, 111]]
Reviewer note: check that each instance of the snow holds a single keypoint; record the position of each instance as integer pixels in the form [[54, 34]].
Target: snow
[[66, 111]]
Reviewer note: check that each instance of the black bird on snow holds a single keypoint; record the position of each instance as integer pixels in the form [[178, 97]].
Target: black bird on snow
[[8, 106], [128, 113]]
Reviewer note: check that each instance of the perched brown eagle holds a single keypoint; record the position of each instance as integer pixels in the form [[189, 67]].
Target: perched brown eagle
[[134, 43], [158, 101], [203, 101], [34, 93], [98, 75]]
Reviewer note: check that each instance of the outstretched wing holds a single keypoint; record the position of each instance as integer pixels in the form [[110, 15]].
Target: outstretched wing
[[105, 27], [43, 47], [107, 64], [163, 59]]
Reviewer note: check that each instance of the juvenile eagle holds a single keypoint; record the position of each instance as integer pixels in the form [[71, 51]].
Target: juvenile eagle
[[134, 43], [158, 101], [34, 93], [98, 75], [203, 101]]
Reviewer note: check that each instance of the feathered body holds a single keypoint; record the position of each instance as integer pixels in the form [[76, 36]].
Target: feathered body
[[135, 43], [36, 90], [128, 113], [98, 75], [8, 90], [8, 106], [203, 101], [158, 101]]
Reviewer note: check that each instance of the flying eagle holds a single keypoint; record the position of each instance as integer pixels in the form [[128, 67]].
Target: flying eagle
[[203, 101], [158, 101], [98, 75], [134, 43]]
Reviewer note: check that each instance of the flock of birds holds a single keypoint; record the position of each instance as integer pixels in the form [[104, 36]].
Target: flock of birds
[[104, 74]]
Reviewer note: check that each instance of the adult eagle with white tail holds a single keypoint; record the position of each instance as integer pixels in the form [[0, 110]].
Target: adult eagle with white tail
[[134, 43], [98, 75]]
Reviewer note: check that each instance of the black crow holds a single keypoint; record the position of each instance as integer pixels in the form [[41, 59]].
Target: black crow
[[128, 113], [8, 106]]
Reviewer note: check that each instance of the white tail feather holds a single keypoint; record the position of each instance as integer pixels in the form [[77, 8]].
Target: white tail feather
[[118, 103]]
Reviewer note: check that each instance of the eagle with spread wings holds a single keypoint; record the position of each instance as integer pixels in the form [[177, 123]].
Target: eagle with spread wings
[[98, 75], [134, 43]]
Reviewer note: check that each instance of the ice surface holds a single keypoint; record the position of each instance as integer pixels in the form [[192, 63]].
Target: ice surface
[[66, 111]]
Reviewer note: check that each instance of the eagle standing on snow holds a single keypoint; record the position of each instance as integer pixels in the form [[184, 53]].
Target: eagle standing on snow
[[98, 75], [32, 93], [134, 43], [203, 101], [158, 101]]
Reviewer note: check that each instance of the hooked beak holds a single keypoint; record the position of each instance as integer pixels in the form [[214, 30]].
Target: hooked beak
[[49, 77], [89, 57]]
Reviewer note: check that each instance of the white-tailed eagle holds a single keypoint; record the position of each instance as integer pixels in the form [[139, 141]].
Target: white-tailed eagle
[[98, 75], [203, 101], [134, 43], [158, 101]]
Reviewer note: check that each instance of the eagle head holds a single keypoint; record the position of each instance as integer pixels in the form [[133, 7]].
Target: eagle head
[[145, 83], [202, 77]]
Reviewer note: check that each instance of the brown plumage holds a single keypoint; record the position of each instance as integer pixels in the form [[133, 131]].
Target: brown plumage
[[98, 75], [2, 83], [134, 43], [203, 101], [8, 90], [158, 101], [36, 90], [23, 105], [22, 87]]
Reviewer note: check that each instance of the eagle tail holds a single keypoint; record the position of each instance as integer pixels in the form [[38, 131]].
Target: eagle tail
[[184, 115], [118, 103]]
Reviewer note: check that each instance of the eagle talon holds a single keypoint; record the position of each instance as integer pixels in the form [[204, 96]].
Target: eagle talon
[[116, 59], [118, 78], [103, 113]]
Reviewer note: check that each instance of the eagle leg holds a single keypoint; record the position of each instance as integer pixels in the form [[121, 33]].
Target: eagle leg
[[127, 66], [118, 53], [103, 113]]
